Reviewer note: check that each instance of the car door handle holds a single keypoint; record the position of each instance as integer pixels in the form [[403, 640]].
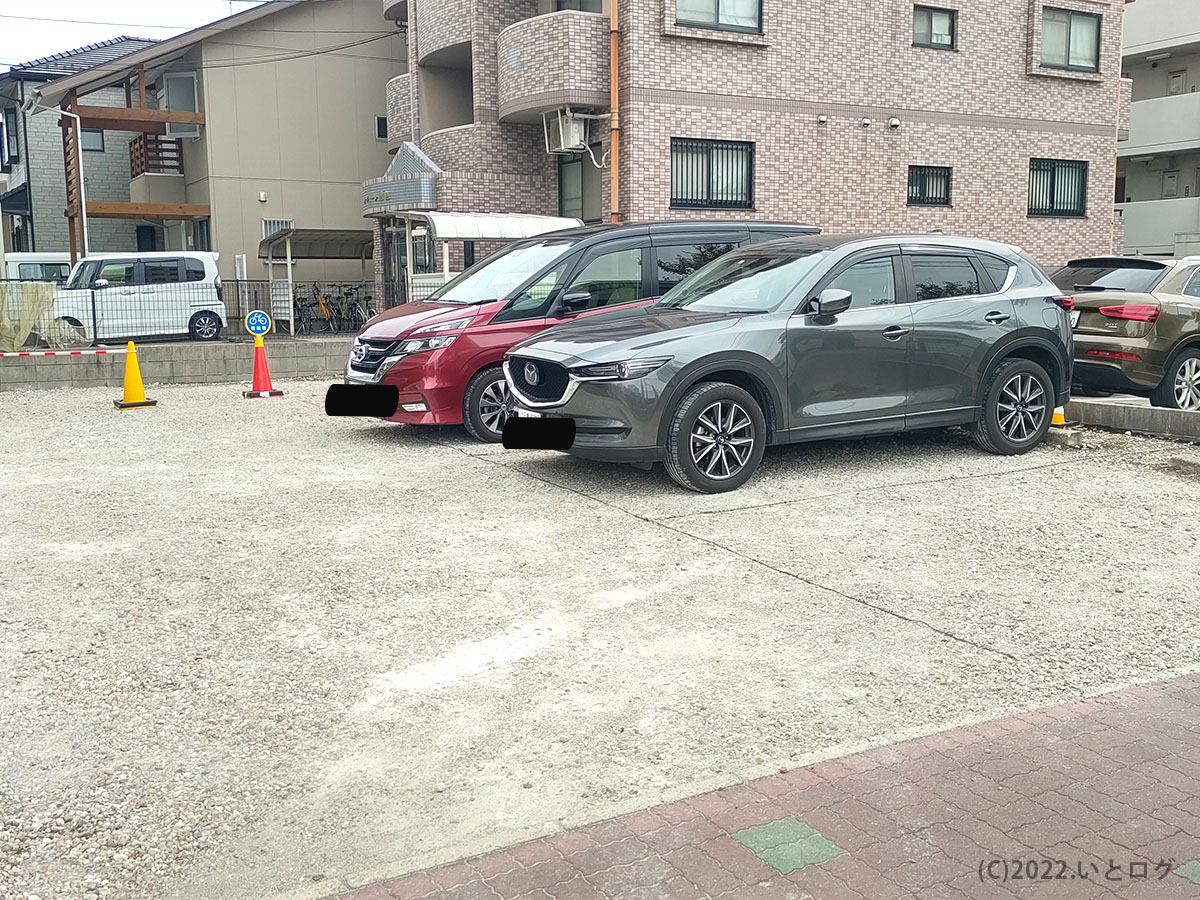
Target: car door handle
[[997, 317], [895, 332]]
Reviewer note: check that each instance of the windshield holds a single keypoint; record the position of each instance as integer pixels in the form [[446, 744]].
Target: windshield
[[745, 282], [83, 275], [1107, 276], [496, 277]]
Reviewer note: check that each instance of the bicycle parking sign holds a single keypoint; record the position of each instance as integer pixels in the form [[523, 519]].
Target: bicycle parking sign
[[258, 323]]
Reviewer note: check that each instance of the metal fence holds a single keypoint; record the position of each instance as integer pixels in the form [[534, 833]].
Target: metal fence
[[35, 313]]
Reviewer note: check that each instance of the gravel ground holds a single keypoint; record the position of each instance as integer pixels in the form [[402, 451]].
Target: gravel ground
[[254, 652]]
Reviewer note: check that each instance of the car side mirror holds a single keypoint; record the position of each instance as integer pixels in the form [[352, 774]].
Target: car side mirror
[[100, 283], [833, 302], [575, 301]]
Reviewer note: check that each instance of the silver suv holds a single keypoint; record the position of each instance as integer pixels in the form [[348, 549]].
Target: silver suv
[[808, 338]]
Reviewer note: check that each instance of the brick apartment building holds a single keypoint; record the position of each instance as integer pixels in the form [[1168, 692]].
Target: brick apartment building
[[993, 118]]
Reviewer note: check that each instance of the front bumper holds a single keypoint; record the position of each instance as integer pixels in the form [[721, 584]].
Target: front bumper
[[421, 378], [615, 421]]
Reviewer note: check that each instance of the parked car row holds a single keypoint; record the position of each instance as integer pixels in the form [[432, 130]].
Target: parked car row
[[776, 334]]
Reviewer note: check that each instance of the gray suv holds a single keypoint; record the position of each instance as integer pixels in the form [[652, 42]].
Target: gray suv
[[808, 338]]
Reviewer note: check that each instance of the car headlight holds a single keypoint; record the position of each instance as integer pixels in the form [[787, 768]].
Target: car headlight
[[453, 325], [620, 371], [419, 345]]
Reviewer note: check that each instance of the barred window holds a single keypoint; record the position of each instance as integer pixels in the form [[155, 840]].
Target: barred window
[[712, 174], [1057, 187], [580, 5], [271, 226], [928, 186]]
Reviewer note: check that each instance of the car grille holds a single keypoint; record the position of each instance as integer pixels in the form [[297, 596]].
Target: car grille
[[551, 379], [377, 352]]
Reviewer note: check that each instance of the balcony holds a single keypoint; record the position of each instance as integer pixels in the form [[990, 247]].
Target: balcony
[[552, 60], [399, 111], [441, 25], [1151, 225], [150, 153], [395, 10], [1158, 26], [1162, 126]]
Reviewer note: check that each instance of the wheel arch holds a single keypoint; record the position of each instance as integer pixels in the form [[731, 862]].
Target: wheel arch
[[745, 372], [1033, 348]]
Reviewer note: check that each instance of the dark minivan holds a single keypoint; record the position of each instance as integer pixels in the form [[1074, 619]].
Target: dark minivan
[[444, 354]]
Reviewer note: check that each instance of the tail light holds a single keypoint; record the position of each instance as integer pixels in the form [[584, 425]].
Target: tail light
[[1137, 313], [1114, 354], [1067, 303]]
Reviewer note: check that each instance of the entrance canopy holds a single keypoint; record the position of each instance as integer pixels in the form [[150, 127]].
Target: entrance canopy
[[454, 226], [318, 243]]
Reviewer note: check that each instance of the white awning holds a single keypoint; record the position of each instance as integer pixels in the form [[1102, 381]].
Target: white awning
[[450, 226]]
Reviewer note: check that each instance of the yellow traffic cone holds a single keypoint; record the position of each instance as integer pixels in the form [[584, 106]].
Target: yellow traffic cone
[[135, 391], [1060, 417]]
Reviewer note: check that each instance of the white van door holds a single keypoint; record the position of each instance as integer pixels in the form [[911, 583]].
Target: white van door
[[117, 302], [164, 299]]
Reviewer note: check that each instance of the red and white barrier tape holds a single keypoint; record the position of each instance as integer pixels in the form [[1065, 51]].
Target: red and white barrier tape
[[64, 352]]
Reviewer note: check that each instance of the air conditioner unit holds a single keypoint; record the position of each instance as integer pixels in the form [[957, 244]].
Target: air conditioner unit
[[565, 133]]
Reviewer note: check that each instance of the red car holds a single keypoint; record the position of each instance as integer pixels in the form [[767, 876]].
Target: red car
[[444, 354]]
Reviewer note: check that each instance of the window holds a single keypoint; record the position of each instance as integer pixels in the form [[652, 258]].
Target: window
[[180, 94], [1070, 40], [712, 174], [271, 226], [201, 235], [941, 275], [535, 300], [934, 27], [193, 270], [92, 140], [1192, 288], [730, 15], [611, 278], [871, 282], [1057, 187], [114, 273], [381, 128], [580, 188], [10, 140], [996, 268], [162, 271], [581, 5], [928, 186], [677, 262]]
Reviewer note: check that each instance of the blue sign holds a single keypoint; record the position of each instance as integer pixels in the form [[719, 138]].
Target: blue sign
[[258, 322]]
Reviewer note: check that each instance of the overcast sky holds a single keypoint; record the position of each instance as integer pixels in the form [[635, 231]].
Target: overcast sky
[[25, 34]]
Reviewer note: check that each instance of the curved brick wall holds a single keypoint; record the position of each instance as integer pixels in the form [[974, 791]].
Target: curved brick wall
[[552, 60], [399, 110], [494, 168], [443, 24]]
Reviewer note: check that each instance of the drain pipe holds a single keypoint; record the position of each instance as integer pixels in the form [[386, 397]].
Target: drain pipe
[[614, 107]]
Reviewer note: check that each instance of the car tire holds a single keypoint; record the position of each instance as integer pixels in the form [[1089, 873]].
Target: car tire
[[204, 326], [66, 333], [1180, 387], [484, 405], [1017, 408], [712, 419]]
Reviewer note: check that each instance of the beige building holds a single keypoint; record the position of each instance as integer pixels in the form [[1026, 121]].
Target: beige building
[[1158, 167], [991, 118], [271, 118]]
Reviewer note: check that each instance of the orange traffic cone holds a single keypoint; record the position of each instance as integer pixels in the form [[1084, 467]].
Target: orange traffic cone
[[261, 386], [134, 395]]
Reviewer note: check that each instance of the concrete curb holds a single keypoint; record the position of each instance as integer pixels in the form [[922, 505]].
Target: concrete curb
[[181, 362], [1066, 438], [1176, 424]]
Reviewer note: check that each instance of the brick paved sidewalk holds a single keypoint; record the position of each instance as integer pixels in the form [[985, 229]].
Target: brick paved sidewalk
[[1108, 789]]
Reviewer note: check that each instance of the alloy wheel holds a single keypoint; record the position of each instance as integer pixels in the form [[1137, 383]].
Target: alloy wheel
[[206, 327], [1187, 384], [493, 406], [1022, 407], [722, 440]]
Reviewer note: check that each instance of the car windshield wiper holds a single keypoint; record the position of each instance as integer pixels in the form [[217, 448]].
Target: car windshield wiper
[[1097, 287]]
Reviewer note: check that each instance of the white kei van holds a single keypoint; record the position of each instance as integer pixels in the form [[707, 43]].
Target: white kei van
[[128, 295], [36, 267]]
